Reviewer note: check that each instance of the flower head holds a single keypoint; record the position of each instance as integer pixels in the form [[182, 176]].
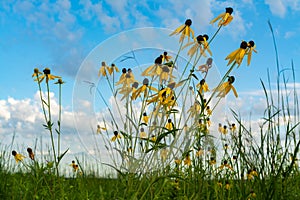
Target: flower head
[[30, 153], [187, 161], [47, 74], [166, 57], [99, 128], [18, 157], [238, 54], [224, 18], [112, 68], [143, 89], [203, 87], [143, 134], [116, 136], [36, 72], [225, 88], [170, 125], [200, 44], [185, 30], [103, 68]]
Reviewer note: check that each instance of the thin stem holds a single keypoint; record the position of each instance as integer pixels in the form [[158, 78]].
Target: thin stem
[[49, 125]]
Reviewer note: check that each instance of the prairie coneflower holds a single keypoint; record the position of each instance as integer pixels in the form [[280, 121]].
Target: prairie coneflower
[[187, 161], [170, 125], [116, 136], [143, 89], [112, 68], [145, 118], [166, 57], [250, 49], [155, 69], [126, 79], [165, 74], [74, 166], [232, 127], [184, 30], [201, 44], [177, 161], [226, 87], [99, 128], [194, 109], [238, 54], [208, 110], [225, 18], [143, 134], [226, 165], [47, 74], [126, 91], [30, 153], [18, 157], [102, 70], [36, 72], [203, 87]]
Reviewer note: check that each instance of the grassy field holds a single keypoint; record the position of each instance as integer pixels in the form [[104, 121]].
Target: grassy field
[[161, 141]]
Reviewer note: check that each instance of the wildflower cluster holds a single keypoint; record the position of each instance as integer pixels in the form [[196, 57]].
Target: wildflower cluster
[[159, 117]]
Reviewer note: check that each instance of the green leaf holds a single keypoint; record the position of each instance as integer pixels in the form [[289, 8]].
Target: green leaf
[[62, 155]]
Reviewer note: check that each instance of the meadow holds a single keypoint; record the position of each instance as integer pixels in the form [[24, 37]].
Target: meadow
[[158, 133]]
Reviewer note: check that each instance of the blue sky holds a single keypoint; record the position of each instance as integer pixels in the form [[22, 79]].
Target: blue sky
[[61, 34]]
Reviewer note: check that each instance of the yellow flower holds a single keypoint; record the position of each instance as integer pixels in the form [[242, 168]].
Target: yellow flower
[[203, 87], [153, 138], [238, 55], [48, 76], [166, 57], [187, 161], [208, 110], [143, 134], [59, 81], [200, 152], [226, 87], [201, 44], [143, 89], [155, 69], [225, 18], [30, 153], [145, 118], [116, 136], [223, 129], [232, 127], [18, 157], [212, 161], [99, 128], [126, 91], [74, 166], [126, 79], [227, 185], [112, 68], [102, 70], [185, 30], [170, 125], [165, 74], [225, 164], [36, 72], [250, 49], [177, 161], [208, 122]]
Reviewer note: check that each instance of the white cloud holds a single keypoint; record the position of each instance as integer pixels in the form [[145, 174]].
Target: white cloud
[[277, 7], [280, 7], [289, 34]]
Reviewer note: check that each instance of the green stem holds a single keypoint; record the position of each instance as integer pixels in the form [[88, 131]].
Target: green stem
[[49, 124]]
